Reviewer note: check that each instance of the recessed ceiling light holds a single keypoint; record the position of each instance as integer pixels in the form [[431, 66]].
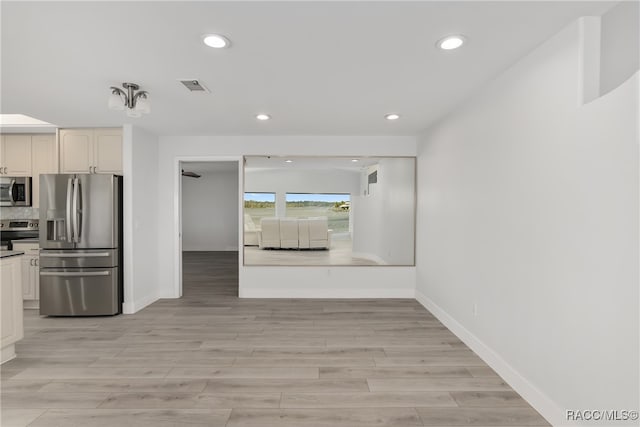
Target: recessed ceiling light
[[355, 160], [263, 117], [216, 41], [288, 161], [451, 42], [392, 116]]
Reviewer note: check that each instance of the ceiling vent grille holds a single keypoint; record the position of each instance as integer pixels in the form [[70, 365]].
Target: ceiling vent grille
[[194, 85]]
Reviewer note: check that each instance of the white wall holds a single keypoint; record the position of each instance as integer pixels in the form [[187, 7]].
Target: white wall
[[528, 208], [210, 212], [259, 281], [620, 44], [140, 171], [282, 181], [384, 221]]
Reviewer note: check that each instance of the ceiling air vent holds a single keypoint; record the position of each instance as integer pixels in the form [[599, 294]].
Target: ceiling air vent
[[194, 85]]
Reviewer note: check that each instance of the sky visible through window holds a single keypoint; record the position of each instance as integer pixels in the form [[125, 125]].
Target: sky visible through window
[[301, 197], [260, 197]]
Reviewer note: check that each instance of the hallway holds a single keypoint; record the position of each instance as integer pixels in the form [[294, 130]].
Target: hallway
[[212, 359]]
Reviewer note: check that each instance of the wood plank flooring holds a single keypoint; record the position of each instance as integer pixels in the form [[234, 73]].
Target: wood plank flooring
[[340, 253], [211, 359]]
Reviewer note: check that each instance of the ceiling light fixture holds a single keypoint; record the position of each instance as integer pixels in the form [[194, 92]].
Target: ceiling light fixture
[[451, 42], [216, 41], [136, 103], [263, 117], [288, 161], [392, 116], [355, 160]]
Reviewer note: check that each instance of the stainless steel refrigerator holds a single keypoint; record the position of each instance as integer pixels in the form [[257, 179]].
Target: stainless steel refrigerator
[[80, 245]]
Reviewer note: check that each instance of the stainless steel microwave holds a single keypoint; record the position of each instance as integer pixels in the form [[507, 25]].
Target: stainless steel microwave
[[15, 191]]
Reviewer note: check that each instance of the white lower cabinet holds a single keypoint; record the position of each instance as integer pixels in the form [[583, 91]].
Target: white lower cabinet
[[11, 316], [30, 274]]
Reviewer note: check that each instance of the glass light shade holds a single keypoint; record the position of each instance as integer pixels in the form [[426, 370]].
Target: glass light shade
[[116, 102], [132, 112], [143, 105]]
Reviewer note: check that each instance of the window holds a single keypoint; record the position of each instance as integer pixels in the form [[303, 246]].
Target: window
[[335, 207], [259, 205]]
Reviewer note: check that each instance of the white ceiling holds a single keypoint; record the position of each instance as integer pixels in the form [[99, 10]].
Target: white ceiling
[[308, 163], [209, 167], [327, 68]]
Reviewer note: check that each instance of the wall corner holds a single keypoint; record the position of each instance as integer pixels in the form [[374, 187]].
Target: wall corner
[[589, 28]]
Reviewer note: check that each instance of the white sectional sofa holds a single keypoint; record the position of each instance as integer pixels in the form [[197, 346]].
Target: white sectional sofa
[[250, 231], [269, 234], [294, 233]]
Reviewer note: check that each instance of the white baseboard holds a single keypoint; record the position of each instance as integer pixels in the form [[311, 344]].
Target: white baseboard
[[327, 293], [210, 249], [168, 295], [31, 304], [139, 304], [8, 353], [552, 412], [370, 257]]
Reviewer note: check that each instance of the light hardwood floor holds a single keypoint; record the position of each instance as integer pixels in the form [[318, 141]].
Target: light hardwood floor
[[340, 253], [211, 359]]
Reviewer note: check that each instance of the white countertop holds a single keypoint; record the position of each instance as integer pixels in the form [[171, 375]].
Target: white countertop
[[7, 254], [32, 240]]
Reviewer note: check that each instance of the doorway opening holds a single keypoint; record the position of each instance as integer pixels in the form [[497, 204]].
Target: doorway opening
[[209, 230]]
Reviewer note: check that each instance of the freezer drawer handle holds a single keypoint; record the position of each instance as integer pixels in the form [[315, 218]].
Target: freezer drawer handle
[[76, 255], [74, 274]]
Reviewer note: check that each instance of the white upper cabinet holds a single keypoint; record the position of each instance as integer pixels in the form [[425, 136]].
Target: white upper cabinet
[[44, 159], [108, 150], [44, 154], [91, 150], [29, 155], [76, 150], [15, 155]]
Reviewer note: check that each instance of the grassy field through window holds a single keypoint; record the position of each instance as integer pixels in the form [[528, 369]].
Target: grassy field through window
[[334, 206], [259, 205], [299, 205]]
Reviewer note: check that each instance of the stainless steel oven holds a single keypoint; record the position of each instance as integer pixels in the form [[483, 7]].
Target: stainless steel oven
[[15, 191], [12, 230]]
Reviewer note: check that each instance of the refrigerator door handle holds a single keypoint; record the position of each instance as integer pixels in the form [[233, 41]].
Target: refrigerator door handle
[[74, 273], [74, 255], [68, 216], [76, 228]]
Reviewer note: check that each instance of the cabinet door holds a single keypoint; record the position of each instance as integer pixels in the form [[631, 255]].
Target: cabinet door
[[36, 279], [28, 282], [44, 159], [16, 155], [76, 150], [10, 302], [108, 150]]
